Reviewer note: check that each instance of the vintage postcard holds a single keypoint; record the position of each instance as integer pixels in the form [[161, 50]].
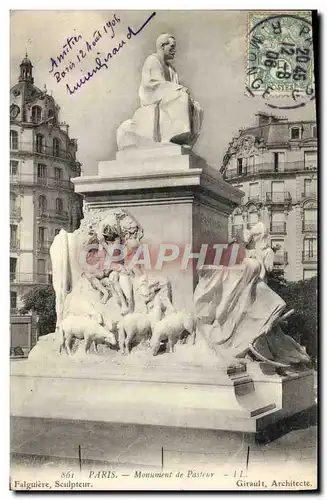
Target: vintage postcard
[[163, 250]]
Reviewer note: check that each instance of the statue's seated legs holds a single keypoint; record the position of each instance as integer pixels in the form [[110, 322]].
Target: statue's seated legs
[[178, 121]]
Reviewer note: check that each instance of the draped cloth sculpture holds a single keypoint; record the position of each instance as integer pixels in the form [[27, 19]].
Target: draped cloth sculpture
[[237, 313], [168, 112]]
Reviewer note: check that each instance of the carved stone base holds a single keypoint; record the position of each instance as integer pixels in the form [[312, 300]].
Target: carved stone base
[[185, 394]]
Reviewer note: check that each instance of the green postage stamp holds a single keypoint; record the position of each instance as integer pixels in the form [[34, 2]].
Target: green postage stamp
[[279, 60]]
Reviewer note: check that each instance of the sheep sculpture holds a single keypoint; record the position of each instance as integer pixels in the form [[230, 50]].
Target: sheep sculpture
[[137, 327], [171, 328], [87, 328]]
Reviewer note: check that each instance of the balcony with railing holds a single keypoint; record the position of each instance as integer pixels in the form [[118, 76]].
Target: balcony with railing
[[255, 198], [280, 258], [278, 197], [269, 167], [237, 229], [278, 227], [43, 245], [29, 278], [40, 149], [46, 213], [309, 226], [309, 256], [30, 179], [14, 244], [307, 194]]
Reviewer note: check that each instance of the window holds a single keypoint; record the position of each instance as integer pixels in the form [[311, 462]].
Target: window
[[309, 273], [237, 227], [252, 219], [41, 234], [249, 165], [254, 191], [41, 172], [41, 266], [279, 251], [276, 162], [310, 247], [42, 203], [13, 201], [277, 191], [13, 265], [13, 139], [58, 175], [14, 243], [314, 131], [13, 167], [56, 146], [278, 225], [41, 271], [13, 300], [238, 219], [310, 160], [295, 133], [13, 234], [36, 114], [59, 205], [310, 219], [239, 166], [277, 245], [310, 187], [50, 113], [39, 143]]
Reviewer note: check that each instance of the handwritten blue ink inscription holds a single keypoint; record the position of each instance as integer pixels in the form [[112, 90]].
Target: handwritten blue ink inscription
[[85, 47]]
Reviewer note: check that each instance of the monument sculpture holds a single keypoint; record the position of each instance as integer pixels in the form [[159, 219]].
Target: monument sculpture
[[235, 312], [155, 333], [168, 112]]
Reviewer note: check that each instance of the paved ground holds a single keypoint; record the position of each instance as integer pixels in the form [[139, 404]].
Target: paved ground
[[52, 441]]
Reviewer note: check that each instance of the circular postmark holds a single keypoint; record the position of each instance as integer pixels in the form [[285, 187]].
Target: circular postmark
[[280, 59]]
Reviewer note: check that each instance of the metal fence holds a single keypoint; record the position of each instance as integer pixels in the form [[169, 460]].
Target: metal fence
[[278, 197], [30, 278], [37, 148], [270, 167], [278, 227], [309, 256], [31, 179], [280, 258]]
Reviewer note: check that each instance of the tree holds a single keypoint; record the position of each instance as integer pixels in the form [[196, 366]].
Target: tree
[[302, 297], [41, 300]]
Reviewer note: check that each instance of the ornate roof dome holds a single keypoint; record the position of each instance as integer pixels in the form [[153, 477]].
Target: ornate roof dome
[[26, 74]]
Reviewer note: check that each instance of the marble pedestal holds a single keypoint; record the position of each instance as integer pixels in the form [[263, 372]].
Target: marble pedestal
[[176, 197], [186, 395]]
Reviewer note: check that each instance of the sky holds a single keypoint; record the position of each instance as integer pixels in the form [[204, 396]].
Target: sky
[[210, 60]]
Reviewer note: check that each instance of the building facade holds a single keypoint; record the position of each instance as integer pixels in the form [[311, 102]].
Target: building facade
[[275, 164], [42, 198]]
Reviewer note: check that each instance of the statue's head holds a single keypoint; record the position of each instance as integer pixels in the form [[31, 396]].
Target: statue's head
[[166, 45]]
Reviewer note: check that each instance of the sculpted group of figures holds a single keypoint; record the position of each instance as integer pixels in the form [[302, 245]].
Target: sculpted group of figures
[[234, 313], [100, 301]]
